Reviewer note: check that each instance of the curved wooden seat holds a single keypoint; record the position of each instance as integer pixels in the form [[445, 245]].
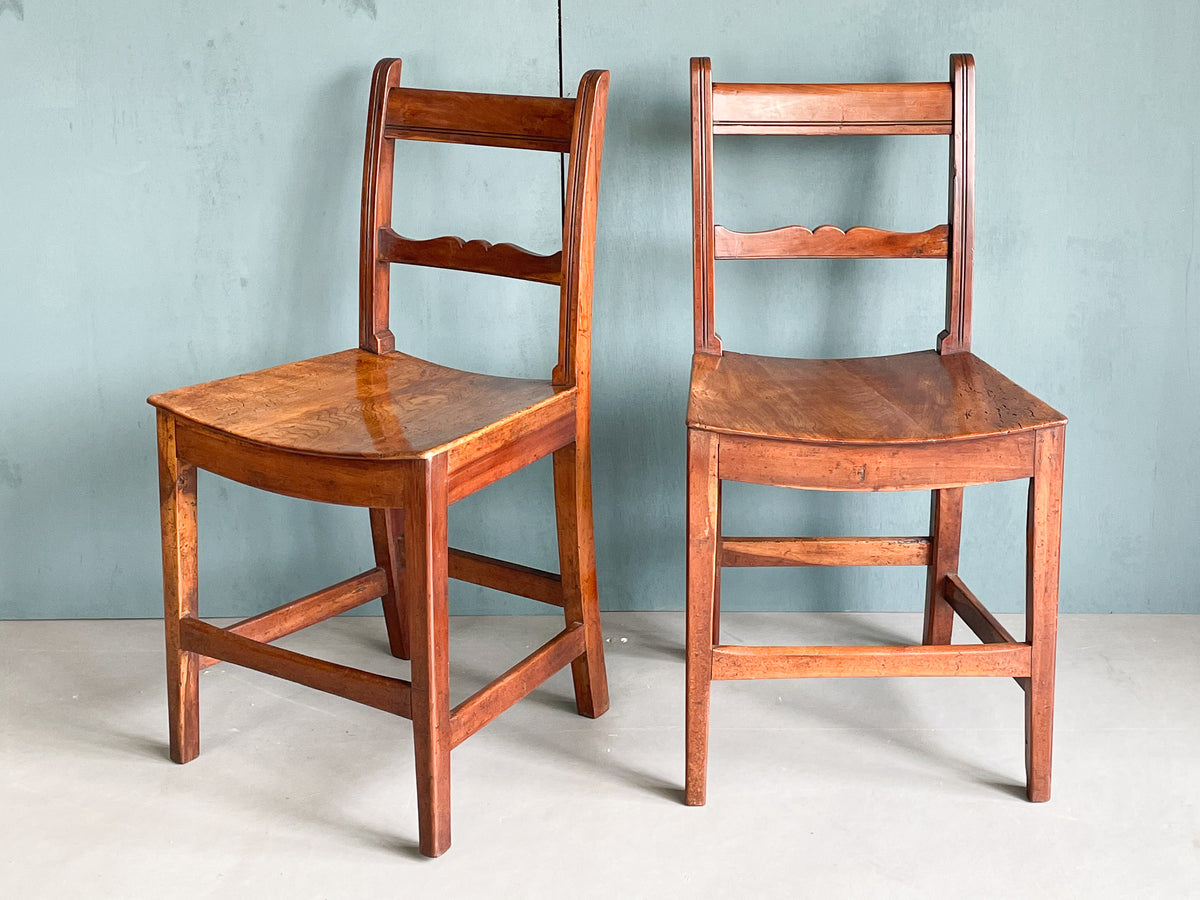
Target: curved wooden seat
[[362, 405], [917, 397], [935, 420], [405, 438]]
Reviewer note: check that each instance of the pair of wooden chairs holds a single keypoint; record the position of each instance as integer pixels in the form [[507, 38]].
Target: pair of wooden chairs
[[374, 427]]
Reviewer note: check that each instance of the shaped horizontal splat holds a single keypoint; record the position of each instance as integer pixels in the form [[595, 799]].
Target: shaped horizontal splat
[[830, 242], [450, 252]]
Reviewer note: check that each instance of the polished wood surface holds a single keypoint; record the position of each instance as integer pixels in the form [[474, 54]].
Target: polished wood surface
[[703, 236], [360, 405], [405, 438], [831, 108], [813, 551], [956, 338], [934, 420], [830, 242], [177, 510], [450, 252], [912, 397], [493, 120], [310, 609], [974, 660]]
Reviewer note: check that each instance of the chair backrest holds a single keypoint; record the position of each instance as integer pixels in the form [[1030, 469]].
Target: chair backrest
[[555, 124], [945, 108]]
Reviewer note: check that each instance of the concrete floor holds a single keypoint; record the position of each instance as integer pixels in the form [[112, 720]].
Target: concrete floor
[[834, 788]]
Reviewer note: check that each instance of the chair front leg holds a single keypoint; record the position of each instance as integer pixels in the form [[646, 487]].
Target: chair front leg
[[177, 509], [945, 533], [425, 587], [1041, 607], [703, 575], [387, 536], [577, 562]]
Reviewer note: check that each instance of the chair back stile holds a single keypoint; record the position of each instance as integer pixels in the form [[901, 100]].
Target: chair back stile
[[930, 420], [374, 285], [403, 437], [553, 124], [918, 108]]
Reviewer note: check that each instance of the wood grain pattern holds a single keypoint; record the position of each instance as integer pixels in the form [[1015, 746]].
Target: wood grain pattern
[[500, 694], [511, 446], [1041, 607], [580, 207], [931, 420], [975, 660], [388, 694], [703, 578], [945, 535], [956, 338], [911, 397], [825, 551], [977, 617], [355, 404], [309, 609], [883, 467], [577, 559], [374, 274], [450, 252], [177, 508], [405, 438], [832, 108], [493, 120], [387, 542], [500, 575], [703, 241], [830, 242]]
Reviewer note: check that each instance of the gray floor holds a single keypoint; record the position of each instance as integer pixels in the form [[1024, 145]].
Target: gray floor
[[835, 788]]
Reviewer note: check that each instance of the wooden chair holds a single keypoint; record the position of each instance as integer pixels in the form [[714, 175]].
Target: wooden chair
[[931, 420], [376, 428]]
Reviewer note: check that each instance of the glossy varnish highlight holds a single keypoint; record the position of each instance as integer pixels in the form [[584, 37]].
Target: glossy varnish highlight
[[935, 420], [405, 438]]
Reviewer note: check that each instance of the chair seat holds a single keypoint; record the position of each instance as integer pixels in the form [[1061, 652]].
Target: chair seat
[[359, 404], [916, 397]]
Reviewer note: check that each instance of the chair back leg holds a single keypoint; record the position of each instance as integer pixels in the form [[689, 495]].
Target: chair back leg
[[387, 535], [945, 533], [577, 561]]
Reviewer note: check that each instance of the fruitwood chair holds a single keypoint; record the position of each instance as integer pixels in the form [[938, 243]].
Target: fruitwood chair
[[376, 428], [930, 420]]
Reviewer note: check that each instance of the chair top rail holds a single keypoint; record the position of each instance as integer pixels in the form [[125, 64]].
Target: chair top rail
[[907, 108], [492, 120]]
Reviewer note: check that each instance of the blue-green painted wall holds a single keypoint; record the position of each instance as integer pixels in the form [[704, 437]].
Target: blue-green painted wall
[[178, 201]]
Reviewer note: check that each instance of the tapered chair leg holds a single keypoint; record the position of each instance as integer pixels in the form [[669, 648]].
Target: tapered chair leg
[[577, 562], [945, 533], [1041, 608], [425, 586], [387, 535], [703, 574], [177, 507]]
